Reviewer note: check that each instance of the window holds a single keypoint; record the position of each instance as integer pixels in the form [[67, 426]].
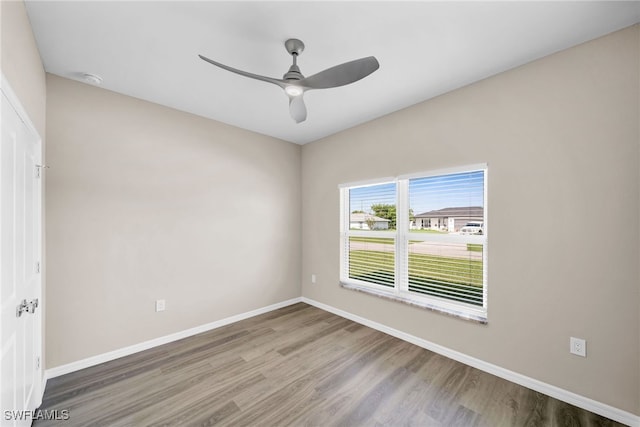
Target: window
[[420, 239], [371, 243]]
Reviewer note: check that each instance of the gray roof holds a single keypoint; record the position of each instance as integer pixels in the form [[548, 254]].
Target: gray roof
[[459, 212], [363, 217]]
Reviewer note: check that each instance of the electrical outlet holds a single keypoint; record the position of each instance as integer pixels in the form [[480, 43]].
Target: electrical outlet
[[313, 278], [160, 305], [578, 346]]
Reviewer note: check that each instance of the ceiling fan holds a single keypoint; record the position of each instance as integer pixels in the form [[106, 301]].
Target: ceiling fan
[[295, 84]]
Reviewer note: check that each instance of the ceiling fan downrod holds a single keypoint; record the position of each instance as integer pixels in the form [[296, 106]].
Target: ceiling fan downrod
[[295, 47]]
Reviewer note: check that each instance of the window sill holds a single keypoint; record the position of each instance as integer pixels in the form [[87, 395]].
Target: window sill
[[420, 304]]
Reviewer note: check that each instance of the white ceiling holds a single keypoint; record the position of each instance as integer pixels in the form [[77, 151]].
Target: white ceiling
[[150, 49]]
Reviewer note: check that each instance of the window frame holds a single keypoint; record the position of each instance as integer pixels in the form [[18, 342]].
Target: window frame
[[401, 235]]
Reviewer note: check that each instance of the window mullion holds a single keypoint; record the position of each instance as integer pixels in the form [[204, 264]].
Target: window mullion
[[402, 243], [344, 233]]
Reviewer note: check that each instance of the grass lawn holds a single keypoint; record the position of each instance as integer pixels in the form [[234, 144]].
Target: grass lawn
[[383, 240], [372, 266], [388, 240], [458, 279], [474, 247]]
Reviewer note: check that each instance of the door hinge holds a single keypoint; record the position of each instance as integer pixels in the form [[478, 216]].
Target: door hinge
[[39, 170], [38, 267], [37, 362]]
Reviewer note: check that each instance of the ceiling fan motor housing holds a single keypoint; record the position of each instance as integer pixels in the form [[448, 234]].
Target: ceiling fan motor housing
[[293, 73]]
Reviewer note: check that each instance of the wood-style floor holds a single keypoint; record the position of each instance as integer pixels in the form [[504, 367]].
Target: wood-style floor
[[298, 366]]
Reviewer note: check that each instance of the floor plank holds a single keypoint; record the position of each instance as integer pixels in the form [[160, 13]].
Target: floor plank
[[298, 366]]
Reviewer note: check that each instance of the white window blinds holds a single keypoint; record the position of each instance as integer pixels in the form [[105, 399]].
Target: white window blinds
[[422, 238], [370, 234], [445, 251]]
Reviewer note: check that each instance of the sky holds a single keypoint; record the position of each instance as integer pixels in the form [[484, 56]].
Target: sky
[[425, 194]]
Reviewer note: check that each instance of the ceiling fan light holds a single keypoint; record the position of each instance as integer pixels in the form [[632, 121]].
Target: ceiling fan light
[[292, 90]]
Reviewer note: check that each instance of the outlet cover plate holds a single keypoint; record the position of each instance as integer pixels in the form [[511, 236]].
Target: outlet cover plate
[[160, 305], [578, 346]]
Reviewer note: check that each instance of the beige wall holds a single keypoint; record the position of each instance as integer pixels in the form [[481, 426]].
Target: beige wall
[[145, 202], [561, 138], [21, 62], [22, 67]]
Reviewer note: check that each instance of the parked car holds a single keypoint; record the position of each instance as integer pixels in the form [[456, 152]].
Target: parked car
[[472, 228]]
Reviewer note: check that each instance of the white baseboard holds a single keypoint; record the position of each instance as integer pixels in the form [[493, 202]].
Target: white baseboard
[[539, 386], [44, 387], [126, 351]]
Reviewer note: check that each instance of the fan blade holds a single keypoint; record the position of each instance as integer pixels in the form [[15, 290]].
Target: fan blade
[[342, 74], [297, 108], [278, 82]]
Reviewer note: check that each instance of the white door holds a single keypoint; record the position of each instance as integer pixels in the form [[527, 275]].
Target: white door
[[20, 258]]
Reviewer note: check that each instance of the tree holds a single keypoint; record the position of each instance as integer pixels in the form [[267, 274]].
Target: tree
[[357, 211], [371, 223], [385, 211]]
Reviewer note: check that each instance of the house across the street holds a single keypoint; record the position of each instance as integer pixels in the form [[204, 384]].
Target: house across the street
[[449, 219], [365, 221]]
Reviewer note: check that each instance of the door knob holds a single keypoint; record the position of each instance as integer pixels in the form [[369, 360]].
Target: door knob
[[32, 305], [21, 308], [29, 307]]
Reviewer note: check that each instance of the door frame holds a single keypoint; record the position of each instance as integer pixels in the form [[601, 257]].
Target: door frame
[[14, 100]]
